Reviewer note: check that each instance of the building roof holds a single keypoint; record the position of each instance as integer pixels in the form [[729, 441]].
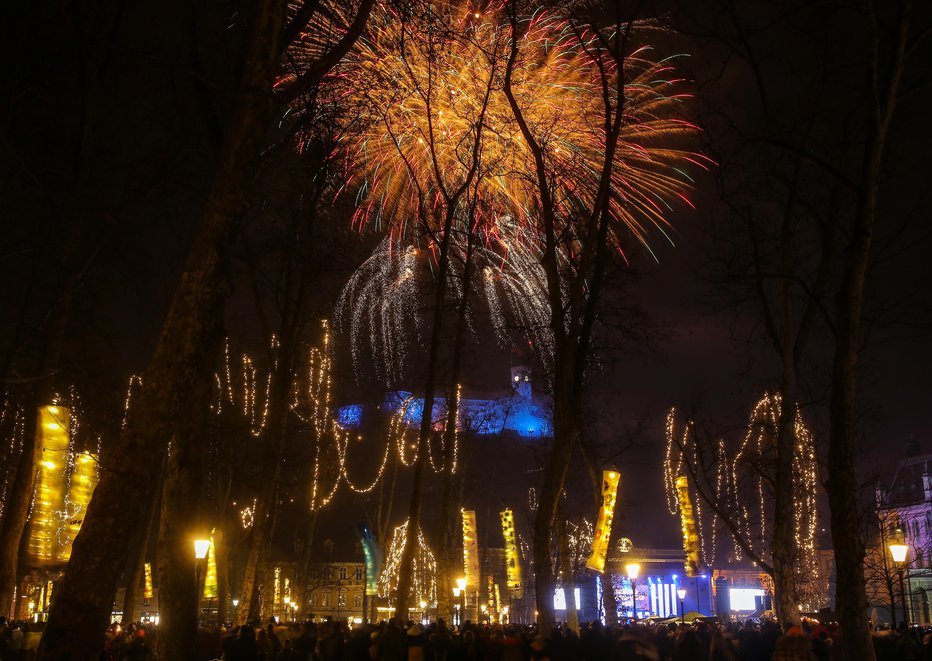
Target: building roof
[[907, 486]]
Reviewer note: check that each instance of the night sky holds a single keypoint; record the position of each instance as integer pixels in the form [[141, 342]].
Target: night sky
[[137, 187]]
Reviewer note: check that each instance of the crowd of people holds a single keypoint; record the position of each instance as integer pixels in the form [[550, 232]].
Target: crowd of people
[[396, 641]]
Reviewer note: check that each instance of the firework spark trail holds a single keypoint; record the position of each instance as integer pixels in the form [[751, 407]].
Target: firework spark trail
[[378, 307]]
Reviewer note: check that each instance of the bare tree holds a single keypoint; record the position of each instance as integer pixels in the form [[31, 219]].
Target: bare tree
[[575, 232]]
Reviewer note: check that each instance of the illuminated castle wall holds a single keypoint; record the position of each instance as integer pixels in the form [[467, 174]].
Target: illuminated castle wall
[[514, 412]]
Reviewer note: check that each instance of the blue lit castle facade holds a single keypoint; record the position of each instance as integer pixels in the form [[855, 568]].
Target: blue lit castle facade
[[513, 411]]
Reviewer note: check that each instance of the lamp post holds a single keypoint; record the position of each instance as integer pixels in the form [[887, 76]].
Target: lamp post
[[681, 593], [633, 570], [423, 612], [485, 610], [456, 606], [898, 550], [200, 552], [461, 584]]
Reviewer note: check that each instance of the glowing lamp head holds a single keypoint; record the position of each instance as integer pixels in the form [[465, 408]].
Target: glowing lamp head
[[681, 593], [456, 592], [461, 583], [898, 551], [633, 570], [484, 608], [200, 548], [423, 604]]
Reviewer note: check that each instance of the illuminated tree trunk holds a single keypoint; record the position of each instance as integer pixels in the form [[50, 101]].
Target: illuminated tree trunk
[[16, 510], [785, 549], [566, 574]]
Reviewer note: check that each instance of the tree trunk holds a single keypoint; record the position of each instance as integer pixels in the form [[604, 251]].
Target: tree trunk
[[267, 502], [304, 580], [445, 528], [81, 609], [609, 603], [566, 573], [842, 485], [135, 568], [554, 477], [406, 564], [785, 548], [179, 582], [16, 511], [221, 556], [258, 541]]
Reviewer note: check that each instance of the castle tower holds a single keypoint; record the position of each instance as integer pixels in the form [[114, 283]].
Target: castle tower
[[521, 381]]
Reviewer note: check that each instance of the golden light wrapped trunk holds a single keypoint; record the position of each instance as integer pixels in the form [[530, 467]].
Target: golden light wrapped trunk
[[688, 521], [470, 550], [603, 528], [512, 558]]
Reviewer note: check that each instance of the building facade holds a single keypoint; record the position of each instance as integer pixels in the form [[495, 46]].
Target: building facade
[[904, 515]]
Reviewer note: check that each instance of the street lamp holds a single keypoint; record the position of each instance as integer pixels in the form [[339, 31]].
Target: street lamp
[[485, 610], [423, 612], [899, 550], [456, 614], [201, 547], [681, 593], [633, 570]]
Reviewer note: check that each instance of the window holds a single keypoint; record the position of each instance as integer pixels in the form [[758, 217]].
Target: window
[[328, 546], [343, 573], [325, 599], [357, 601], [358, 573], [341, 600]]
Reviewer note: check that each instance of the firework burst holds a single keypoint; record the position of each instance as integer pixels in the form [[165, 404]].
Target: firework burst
[[432, 84]]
